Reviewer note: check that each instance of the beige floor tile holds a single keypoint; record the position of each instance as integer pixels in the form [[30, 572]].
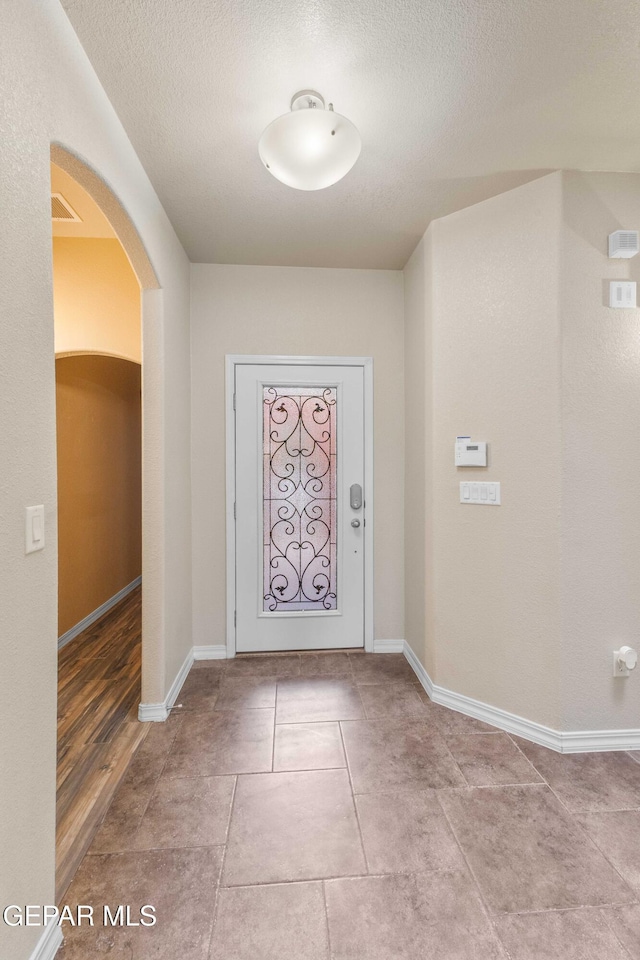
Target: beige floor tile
[[560, 935], [617, 834], [219, 743], [284, 665], [588, 781], [272, 922], [216, 666], [180, 884], [325, 665], [118, 829], [406, 833], [200, 690], [391, 699], [246, 693], [308, 746], [491, 759], [435, 916], [317, 700], [381, 667], [155, 747], [625, 923], [387, 754], [130, 801], [527, 853], [191, 812], [293, 826], [451, 722]]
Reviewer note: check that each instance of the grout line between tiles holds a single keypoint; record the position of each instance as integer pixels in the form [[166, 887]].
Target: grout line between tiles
[[146, 806], [326, 918], [222, 864], [318, 879], [483, 902], [576, 909], [216, 904], [353, 800], [572, 814], [273, 744], [458, 767], [613, 930]]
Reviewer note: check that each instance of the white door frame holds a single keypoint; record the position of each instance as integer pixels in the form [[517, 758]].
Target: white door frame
[[233, 360]]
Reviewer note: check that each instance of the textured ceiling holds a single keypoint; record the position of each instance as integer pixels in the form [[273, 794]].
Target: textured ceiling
[[456, 100]]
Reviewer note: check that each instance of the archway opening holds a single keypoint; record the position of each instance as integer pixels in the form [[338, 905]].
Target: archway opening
[[100, 271]]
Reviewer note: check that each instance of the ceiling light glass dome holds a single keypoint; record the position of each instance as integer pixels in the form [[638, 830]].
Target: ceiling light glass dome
[[309, 148]]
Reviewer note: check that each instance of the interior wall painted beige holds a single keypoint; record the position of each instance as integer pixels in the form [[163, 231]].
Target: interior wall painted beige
[[294, 311], [51, 95], [418, 484], [99, 444], [493, 573], [600, 524], [529, 599], [96, 298]]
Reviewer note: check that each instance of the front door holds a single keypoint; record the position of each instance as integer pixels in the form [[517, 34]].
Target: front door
[[299, 506]]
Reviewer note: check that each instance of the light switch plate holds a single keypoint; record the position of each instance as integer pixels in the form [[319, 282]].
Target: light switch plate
[[622, 293], [480, 492], [34, 528]]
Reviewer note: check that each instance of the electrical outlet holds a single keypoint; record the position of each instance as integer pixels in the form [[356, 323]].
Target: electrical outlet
[[624, 661], [619, 669]]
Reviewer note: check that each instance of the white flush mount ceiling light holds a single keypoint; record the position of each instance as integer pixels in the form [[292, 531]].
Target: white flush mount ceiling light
[[309, 148]]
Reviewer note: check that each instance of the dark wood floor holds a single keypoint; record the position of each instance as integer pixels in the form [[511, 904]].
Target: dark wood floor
[[98, 729]]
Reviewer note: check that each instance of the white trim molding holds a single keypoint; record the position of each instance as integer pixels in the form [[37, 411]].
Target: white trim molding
[[388, 646], [97, 613], [48, 944], [562, 741], [215, 652], [158, 712]]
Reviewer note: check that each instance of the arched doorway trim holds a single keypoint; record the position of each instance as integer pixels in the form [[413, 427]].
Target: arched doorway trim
[[153, 499], [113, 211]]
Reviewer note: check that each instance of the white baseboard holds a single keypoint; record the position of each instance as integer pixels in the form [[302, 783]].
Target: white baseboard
[[572, 741], [48, 944], [216, 652], [158, 712], [388, 646], [97, 613]]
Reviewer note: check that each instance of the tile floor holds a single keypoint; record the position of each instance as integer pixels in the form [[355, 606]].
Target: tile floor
[[322, 808]]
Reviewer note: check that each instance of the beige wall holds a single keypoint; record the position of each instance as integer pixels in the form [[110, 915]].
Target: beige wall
[[50, 93], [99, 448], [418, 484], [294, 311], [521, 606], [96, 298], [600, 529], [492, 319]]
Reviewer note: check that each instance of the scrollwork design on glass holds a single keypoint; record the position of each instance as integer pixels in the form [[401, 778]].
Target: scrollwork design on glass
[[299, 475]]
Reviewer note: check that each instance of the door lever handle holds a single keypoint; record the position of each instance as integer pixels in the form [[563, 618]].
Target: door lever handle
[[355, 523]]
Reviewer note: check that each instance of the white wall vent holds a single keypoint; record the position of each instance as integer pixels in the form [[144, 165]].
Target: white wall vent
[[61, 209], [624, 243]]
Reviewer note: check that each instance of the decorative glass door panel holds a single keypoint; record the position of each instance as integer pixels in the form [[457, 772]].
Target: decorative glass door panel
[[300, 498], [299, 534]]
